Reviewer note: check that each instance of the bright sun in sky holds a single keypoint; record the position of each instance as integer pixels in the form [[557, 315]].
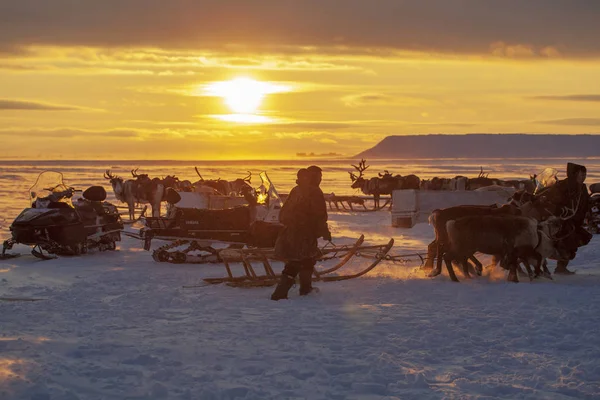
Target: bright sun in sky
[[244, 96]]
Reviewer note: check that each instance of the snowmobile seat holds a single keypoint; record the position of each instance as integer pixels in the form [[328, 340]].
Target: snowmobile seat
[[95, 193], [172, 197], [595, 188]]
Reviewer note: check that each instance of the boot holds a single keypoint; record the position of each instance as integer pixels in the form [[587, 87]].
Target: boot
[[283, 287], [305, 277], [561, 268]]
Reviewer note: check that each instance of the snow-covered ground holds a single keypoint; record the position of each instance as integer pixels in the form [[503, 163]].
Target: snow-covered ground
[[117, 325]]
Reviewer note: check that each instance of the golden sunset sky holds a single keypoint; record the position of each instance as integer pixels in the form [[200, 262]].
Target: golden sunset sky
[[251, 79]]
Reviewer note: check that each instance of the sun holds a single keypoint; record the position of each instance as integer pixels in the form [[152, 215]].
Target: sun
[[243, 95]]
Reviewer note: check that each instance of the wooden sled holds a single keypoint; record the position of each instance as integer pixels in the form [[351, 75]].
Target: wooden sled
[[353, 203], [126, 213], [251, 279]]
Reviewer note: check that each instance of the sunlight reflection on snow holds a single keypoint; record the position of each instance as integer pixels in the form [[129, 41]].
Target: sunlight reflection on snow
[[10, 369]]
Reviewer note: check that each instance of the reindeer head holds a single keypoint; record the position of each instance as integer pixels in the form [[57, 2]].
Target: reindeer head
[[386, 174], [139, 176], [241, 185], [112, 178], [170, 181], [116, 183]]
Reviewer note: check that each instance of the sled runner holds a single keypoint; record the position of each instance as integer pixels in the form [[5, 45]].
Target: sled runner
[[251, 279]]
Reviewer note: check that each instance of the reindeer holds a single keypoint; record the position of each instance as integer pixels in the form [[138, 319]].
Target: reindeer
[[185, 186], [399, 181], [527, 185], [551, 218], [242, 185], [435, 183], [482, 180], [223, 187], [141, 190], [219, 186], [439, 218], [374, 186], [124, 191], [513, 238]]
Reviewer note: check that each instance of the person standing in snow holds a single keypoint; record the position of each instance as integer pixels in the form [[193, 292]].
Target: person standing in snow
[[304, 216], [571, 193]]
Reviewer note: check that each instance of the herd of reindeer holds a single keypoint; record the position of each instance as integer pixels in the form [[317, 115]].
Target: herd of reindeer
[[386, 183], [141, 189], [526, 230]]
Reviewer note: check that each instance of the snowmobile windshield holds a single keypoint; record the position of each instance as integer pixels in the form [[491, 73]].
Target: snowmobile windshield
[[50, 188], [266, 193]]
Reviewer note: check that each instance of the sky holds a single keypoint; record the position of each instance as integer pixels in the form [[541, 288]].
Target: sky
[[265, 79]]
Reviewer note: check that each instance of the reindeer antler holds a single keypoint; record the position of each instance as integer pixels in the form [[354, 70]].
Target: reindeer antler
[[198, 172], [108, 175], [352, 176], [134, 172], [249, 177], [361, 167]]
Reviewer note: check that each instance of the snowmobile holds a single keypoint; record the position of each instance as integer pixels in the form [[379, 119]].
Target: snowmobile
[[593, 217], [54, 225]]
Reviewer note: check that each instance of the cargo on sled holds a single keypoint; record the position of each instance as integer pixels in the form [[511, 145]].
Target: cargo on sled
[[191, 227]]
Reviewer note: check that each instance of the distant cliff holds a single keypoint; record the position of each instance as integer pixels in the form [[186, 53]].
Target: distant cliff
[[485, 145]]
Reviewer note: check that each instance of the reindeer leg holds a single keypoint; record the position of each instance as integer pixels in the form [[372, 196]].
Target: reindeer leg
[[465, 268], [448, 261], [131, 206], [546, 273], [537, 268], [530, 273], [438, 267], [478, 266], [520, 270], [512, 268], [431, 253]]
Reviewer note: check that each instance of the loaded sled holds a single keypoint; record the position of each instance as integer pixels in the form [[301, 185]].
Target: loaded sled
[[190, 227]]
